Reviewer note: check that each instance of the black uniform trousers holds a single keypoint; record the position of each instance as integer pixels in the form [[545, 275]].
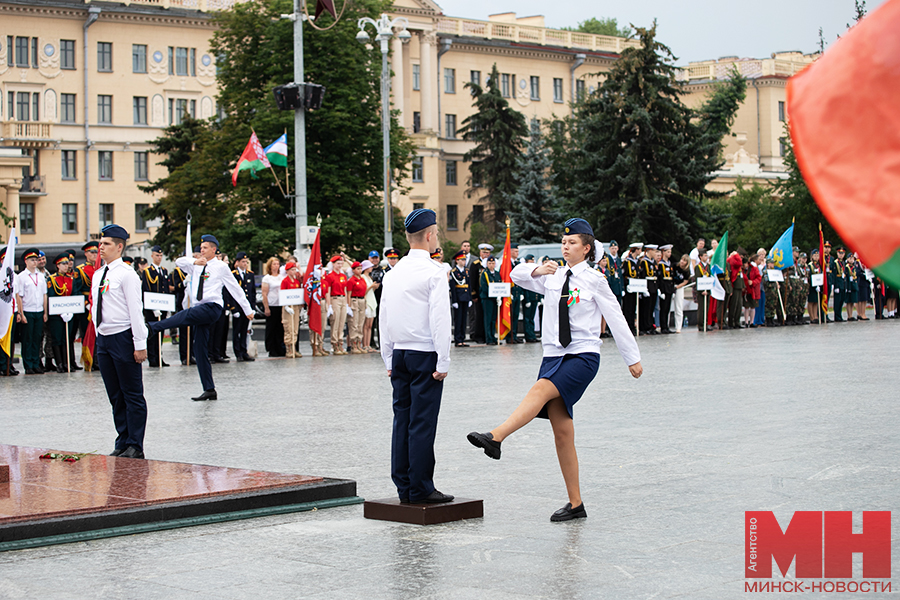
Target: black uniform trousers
[[647, 306], [124, 386], [478, 327], [839, 300], [275, 332], [32, 336], [417, 402], [218, 346], [152, 341], [629, 307], [239, 335], [514, 315], [201, 318], [460, 321]]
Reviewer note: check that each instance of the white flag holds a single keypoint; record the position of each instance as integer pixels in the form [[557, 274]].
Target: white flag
[[7, 296]]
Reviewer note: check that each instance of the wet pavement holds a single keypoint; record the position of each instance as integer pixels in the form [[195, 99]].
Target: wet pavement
[[785, 419]]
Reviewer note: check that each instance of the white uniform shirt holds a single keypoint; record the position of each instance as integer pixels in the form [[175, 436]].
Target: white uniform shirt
[[415, 309], [595, 301], [122, 302], [217, 275], [32, 287]]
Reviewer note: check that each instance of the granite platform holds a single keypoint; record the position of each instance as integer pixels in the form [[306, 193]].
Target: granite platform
[[69, 497]]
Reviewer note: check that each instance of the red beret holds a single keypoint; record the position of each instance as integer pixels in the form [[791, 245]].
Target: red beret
[[290, 265]]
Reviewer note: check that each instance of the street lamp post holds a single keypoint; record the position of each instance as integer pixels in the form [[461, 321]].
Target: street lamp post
[[384, 31]]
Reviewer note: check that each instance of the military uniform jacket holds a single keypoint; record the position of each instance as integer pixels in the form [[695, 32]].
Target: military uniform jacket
[[248, 284], [178, 277], [614, 275], [648, 271], [839, 277], [487, 277], [852, 278], [155, 279], [83, 273], [64, 285], [475, 270], [459, 287], [630, 269], [664, 278]]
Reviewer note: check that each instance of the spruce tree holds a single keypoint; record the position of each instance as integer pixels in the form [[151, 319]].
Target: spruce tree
[[534, 213], [498, 132]]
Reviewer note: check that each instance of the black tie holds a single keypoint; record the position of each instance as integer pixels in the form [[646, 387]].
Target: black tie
[[565, 331], [200, 287], [100, 298]]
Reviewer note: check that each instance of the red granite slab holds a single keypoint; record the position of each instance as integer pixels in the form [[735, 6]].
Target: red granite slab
[[41, 489]]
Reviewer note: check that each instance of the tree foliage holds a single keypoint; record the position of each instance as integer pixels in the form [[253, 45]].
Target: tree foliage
[[534, 208], [716, 115], [604, 26]]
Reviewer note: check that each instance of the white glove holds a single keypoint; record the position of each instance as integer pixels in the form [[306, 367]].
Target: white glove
[[330, 312], [289, 309], [349, 312], [156, 314], [455, 305], [470, 304], [528, 305], [66, 317], [235, 314], [661, 295]]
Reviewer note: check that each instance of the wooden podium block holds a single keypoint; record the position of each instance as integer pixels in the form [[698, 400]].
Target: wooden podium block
[[390, 509], [4, 473]]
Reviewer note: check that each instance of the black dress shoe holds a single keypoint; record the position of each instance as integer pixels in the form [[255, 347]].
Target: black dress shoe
[[218, 359], [404, 500], [486, 441], [435, 497], [131, 452], [165, 364], [207, 395], [247, 358], [567, 513], [117, 452], [29, 371]]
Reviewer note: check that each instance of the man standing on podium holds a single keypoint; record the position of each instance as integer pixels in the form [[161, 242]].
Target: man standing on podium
[[208, 276], [415, 346]]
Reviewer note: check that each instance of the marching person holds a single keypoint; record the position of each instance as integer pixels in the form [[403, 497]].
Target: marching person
[[208, 276], [488, 304], [460, 299], [578, 297], [121, 346], [240, 322], [62, 285], [290, 314], [415, 330], [155, 279], [31, 300], [838, 284]]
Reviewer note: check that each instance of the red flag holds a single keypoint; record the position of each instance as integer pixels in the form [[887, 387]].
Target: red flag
[[253, 158], [312, 284], [90, 335], [506, 306]]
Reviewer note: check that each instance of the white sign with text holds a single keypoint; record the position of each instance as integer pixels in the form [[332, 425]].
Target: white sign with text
[[704, 284], [499, 290], [775, 275], [60, 305], [637, 286], [817, 279], [163, 302], [290, 297]]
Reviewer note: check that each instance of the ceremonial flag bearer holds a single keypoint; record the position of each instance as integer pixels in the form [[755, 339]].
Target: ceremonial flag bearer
[[121, 345], [415, 346], [576, 299]]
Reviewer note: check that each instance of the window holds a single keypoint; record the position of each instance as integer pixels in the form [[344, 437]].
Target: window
[[70, 218], [452, 217], [449, 81], [418, 170], [504, 85], [557, 90], [67, 54], [10, 52], [416, 77], [450, 125], [67, 108], [11, 107], [418, 205], [475, 77], [104, 109], [106, 215], [34, 52], [451, 172], [181, 107], [68, 164], [138, 58], [478, 213], [782, 147], [475, 176], [23, 106], [417, 122], [105, 159], [104, 57], [193, 110], [171, 61], [140, 223], [193, 62], [35, 106], [22, 55], [26, 217], [140, 110], [579, 89], [780, 110], [535, 88], [140, 166], [181, 61]]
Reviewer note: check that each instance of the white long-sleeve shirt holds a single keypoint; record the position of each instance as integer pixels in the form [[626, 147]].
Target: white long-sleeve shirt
[[122, 302], [217, 275], [595, 300], [415, 309]]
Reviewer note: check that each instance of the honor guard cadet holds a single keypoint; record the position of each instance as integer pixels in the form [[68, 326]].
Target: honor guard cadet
[[155, 279], [630, 270], [647, 301], [241, 323], [121, 346], [415, 346], [475, 270], [209, 276], [62, 284], [666, 286], [488, 304], [838, 284], [31, 301], [460, 299], [614, 271]]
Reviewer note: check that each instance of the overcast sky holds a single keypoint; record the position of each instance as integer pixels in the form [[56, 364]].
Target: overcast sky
[[695, 29]]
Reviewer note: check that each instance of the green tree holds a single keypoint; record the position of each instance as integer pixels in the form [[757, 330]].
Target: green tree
[[751, 216], [534, 210], [643, 166], [606, 26], [498, 132], [561, 141], [716, 115]]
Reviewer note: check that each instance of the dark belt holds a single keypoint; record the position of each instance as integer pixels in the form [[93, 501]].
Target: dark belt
[[357, 297]]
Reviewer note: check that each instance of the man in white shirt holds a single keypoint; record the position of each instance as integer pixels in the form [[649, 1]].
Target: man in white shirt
[[208, 276], [121, 346], [31, 300], [415, 346]]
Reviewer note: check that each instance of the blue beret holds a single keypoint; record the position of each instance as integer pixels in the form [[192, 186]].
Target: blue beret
[[419, 219], [114, 231], [529, 257], [155, 249], [41, 252], [211, 239], [513, 246], [374, 253], [197, 249], [613, 243], [240, 255], [576, 226], [490, 258], [127, 259]]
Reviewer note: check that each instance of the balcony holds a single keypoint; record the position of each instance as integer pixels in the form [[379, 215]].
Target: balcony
[[26, 134], [33, 185], [201, 5]]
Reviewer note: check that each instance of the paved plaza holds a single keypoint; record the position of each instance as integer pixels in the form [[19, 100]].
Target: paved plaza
[[786, 419]]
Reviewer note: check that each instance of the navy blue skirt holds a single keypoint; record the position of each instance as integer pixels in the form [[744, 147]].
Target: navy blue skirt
[[571, 374]]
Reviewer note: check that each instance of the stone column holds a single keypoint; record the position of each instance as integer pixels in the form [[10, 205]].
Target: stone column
[[397, 88], [427, 81]]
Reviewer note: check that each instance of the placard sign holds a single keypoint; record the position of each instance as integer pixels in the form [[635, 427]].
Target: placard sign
[[637, 285], [163, 302], [775, 275], [817, 279], [499, 290], [705, 284], [60, 305], [291, 297], [870, 275]]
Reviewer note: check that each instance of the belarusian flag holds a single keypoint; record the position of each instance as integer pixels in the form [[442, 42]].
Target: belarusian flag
[[277, 151], [253, 158], [717, 266]]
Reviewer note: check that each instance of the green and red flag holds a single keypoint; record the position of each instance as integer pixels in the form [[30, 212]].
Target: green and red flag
[[846, 134], [506, 305], [253, 158]]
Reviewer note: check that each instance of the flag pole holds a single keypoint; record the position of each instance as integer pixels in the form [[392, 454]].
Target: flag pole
[[188, 330], [778, 289], [287, 174]]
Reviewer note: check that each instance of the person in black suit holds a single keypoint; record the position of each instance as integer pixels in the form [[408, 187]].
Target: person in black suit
[[240, 322], [460, 299], [155, 279], [475, 270]]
